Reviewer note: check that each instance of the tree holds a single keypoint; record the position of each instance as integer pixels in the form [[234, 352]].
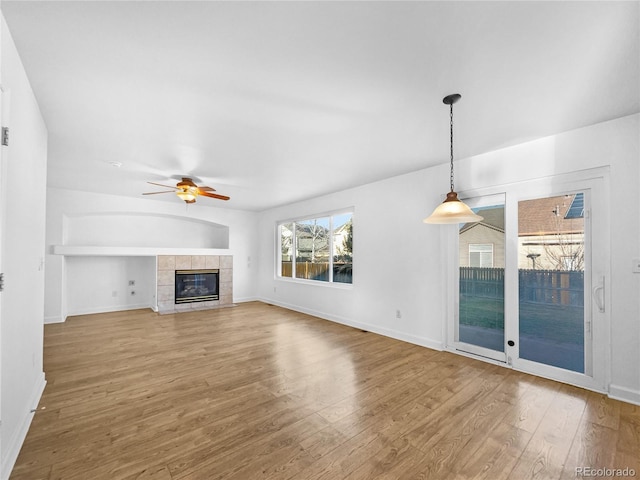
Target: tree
[[566, 251], [347, 241], [318, 238], [286, 240], [311, 241], [345, 251]]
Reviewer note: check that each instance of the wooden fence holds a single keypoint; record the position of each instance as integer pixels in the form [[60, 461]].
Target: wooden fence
[[554, 287], [319, 271]]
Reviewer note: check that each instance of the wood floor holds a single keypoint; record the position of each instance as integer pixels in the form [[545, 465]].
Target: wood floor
[[256, 392]]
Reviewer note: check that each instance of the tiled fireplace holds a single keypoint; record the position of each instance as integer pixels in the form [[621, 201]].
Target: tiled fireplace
[[169, 264]]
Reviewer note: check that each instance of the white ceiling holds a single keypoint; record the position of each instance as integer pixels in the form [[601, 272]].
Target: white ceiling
[[273, 102]]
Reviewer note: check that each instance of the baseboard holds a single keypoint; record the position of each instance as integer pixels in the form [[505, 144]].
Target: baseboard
[[17, 439], [54, 319], [110, 308], [246, 299], [122, 308], [387, 332], [624, 394]]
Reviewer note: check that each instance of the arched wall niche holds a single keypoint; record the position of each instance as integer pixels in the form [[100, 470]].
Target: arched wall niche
[[117, 229]]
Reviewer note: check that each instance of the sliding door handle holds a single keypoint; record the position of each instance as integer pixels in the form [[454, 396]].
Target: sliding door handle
[[598, 295]]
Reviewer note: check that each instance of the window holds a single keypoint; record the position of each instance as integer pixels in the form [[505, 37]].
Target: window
[[481, 255], [312, 249], [319, 249], [286, 249]]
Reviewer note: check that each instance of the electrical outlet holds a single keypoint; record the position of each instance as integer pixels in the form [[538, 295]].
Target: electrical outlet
[[132, 283], [398, 314]]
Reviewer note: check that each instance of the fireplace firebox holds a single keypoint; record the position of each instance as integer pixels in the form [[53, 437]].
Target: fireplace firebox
[[197, 285]]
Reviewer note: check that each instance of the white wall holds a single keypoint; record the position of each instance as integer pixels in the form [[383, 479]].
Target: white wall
[[23, 213], [399, 262], [144, 230], [74, 217], [101, 284], [396, 259]]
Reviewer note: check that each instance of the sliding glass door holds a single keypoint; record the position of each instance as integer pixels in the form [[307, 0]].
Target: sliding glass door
[[551, 280], [529, 279], [480, 328]]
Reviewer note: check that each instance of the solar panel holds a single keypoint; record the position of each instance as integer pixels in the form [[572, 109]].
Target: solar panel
[[576, 210]]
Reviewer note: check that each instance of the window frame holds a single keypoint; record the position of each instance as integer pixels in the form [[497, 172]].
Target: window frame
[[480, 252], [330, 235]]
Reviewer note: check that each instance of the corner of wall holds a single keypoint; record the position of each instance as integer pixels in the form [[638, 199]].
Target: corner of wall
[[624, 394], [54, 319], [15, 442]]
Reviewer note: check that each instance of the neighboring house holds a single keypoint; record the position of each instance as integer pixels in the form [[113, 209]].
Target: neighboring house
[[342, 242], [312, 243], [482, 244], [550, 235]]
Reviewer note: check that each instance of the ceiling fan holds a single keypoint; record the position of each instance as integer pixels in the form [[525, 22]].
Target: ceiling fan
[[188, 191]]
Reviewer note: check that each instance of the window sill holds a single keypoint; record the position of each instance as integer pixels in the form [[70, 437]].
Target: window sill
[[302, 281]]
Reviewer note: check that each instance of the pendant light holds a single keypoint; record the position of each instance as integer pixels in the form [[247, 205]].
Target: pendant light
[[452, 210]]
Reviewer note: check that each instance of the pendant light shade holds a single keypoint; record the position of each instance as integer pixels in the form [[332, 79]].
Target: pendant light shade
[[452, 210]]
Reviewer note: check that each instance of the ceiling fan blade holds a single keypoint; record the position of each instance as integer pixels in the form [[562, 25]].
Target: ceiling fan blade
[[206, 189], [165, 186], [155, 193], [214, 195]]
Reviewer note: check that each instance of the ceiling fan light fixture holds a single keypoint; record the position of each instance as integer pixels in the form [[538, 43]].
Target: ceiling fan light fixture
[[188, 191], [452, 210], [188, 194]]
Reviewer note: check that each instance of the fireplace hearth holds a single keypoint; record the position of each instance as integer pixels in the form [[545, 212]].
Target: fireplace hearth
[[196, 285]]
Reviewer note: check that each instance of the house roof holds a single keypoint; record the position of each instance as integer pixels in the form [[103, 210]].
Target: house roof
[[541, 216], [492, 218], [550, 215]]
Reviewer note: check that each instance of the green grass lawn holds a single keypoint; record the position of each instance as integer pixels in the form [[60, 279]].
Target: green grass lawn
[[558, 323]]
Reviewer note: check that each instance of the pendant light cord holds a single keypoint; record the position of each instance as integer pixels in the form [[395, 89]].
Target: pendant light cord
[[451, 127]]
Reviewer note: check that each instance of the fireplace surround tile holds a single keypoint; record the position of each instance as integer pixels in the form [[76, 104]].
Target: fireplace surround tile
[[166, 277], [183, 307], [226, 275], [226, 289], [226, 261], [212, 261], [166, 262], [198, 261], [183, 262], [166, 293], [167, 266]]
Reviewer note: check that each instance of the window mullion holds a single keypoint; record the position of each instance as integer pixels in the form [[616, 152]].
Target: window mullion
[[294, 249], [330, 240]]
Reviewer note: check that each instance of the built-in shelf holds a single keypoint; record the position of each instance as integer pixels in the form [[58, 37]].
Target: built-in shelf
[[94, 251]]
